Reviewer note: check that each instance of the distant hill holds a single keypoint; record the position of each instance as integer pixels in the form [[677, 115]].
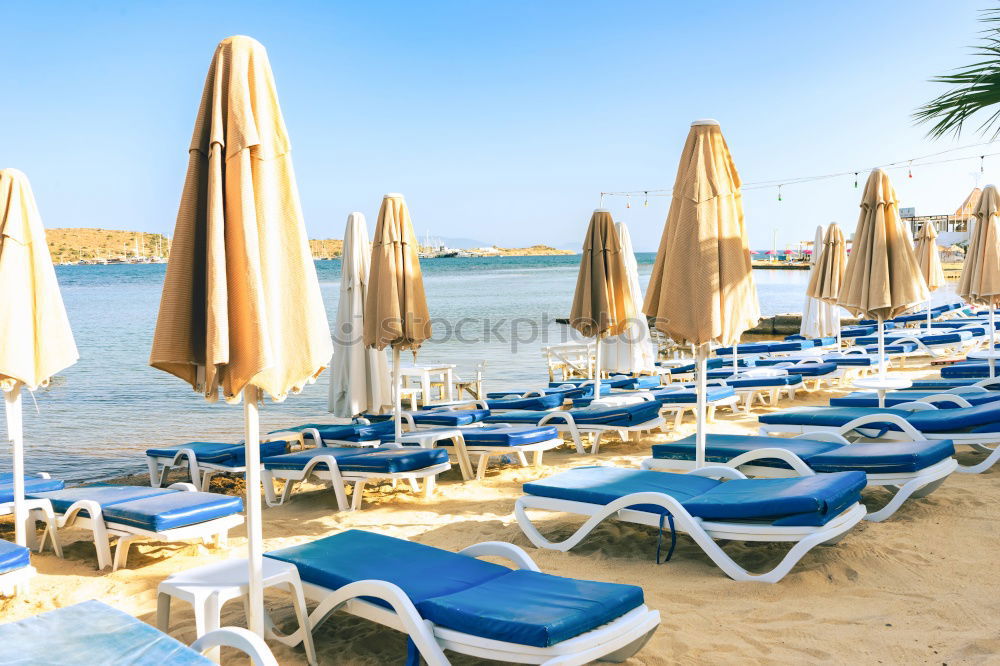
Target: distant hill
[[73, 245], [70, 245]]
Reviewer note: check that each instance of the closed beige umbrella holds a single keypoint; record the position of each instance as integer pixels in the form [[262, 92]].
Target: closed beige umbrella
[[929, 260], [882, 278], [980, 281], [602, 302], [702, 288], [395, 307], [241, 310], [36, 341], [827, 277]]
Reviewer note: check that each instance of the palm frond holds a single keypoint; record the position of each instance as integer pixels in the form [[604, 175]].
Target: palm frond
[[975, 88]]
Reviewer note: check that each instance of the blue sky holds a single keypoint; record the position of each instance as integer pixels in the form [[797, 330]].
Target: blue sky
[[499, 121]]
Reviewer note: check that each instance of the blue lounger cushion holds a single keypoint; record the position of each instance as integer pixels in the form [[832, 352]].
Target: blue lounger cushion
[[507, 436], [642, 382], [348, 432], [153, 509], [615, 382], [378, 460], [966, 371], [690, 396], [714, 364], [449, 417], [618, 415], [855, 360], [856, 331], [812, 500], [103, 494], [550, 401], [176, 509], [13, 557], [747, 348], [870, 399], [94, 633], [979, 418], [821, 456], [812, 369], [32, 484], [463, 593], [220, 453], [764, 382]]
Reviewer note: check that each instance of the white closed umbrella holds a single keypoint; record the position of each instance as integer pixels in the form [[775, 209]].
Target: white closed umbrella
[[35, 337], [819, 318], [359, 379], [631, 351]]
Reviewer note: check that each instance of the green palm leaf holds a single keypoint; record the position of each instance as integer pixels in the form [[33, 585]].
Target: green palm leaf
[[975, 88]]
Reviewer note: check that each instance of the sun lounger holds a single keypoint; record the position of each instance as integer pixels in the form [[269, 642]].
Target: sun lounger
[[935, 345], [33, 483], [595, 420], [15, 569], [204, 460], [943, 399], [340, 466], [939, 385], [977, 427], [134, 513], [811, 370], [967, 370], [501, 439], [456, 602], [94, 633], [908, 469], [805, 511], [676, 400]]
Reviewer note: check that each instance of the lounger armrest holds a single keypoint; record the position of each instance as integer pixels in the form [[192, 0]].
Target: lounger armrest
[[189, 487], [564, 415], [7, 508], [508, 551], [458, 405], [952, 398], [824, 436], [236, 637], [986, 383], [976, 389], [917, 405], [718, 472], [894, 419], [784, 455]]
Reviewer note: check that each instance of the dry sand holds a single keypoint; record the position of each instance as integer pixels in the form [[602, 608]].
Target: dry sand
[[920, 588]]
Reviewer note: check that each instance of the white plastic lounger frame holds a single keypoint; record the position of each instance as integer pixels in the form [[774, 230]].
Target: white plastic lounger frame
[[201, 472], [903, 485], [983, 442], [215, 530], [940, 350], [336, 479], [238, 638], [564, 422], [704, 532], [615, 641]]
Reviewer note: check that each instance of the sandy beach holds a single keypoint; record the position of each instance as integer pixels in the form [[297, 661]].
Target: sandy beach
[[915, 589]]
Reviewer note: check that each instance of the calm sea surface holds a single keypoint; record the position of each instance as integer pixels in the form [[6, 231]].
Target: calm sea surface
[[96, 418]]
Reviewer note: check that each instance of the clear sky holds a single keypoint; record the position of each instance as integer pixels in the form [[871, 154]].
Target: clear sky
[[500, 121]]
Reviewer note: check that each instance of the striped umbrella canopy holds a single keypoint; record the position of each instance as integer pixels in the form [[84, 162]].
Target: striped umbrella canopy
[[395, 307], [980, 281], [702, 288], [241, 312], [882, 278], [602, 301]]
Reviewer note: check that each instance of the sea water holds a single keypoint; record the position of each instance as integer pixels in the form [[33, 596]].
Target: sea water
[[97, 417]]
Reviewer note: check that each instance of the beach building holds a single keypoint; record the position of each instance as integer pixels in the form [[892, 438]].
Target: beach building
[[952, 229]]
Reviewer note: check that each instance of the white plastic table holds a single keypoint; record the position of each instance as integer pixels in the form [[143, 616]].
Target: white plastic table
[[990, 355], [882, 385], [209, 587], [423, 373]]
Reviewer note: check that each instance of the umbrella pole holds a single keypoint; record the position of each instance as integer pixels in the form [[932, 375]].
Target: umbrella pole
[[597, 369], [15, 434], [701, 369], [255, 530], [993, 335], [881, 348], [736, 359], [928, 315], [397, 407]]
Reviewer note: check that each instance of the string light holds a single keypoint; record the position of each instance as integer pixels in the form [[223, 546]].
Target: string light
[[923, 160], [779, 192], [645, 203], [628, 201]]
